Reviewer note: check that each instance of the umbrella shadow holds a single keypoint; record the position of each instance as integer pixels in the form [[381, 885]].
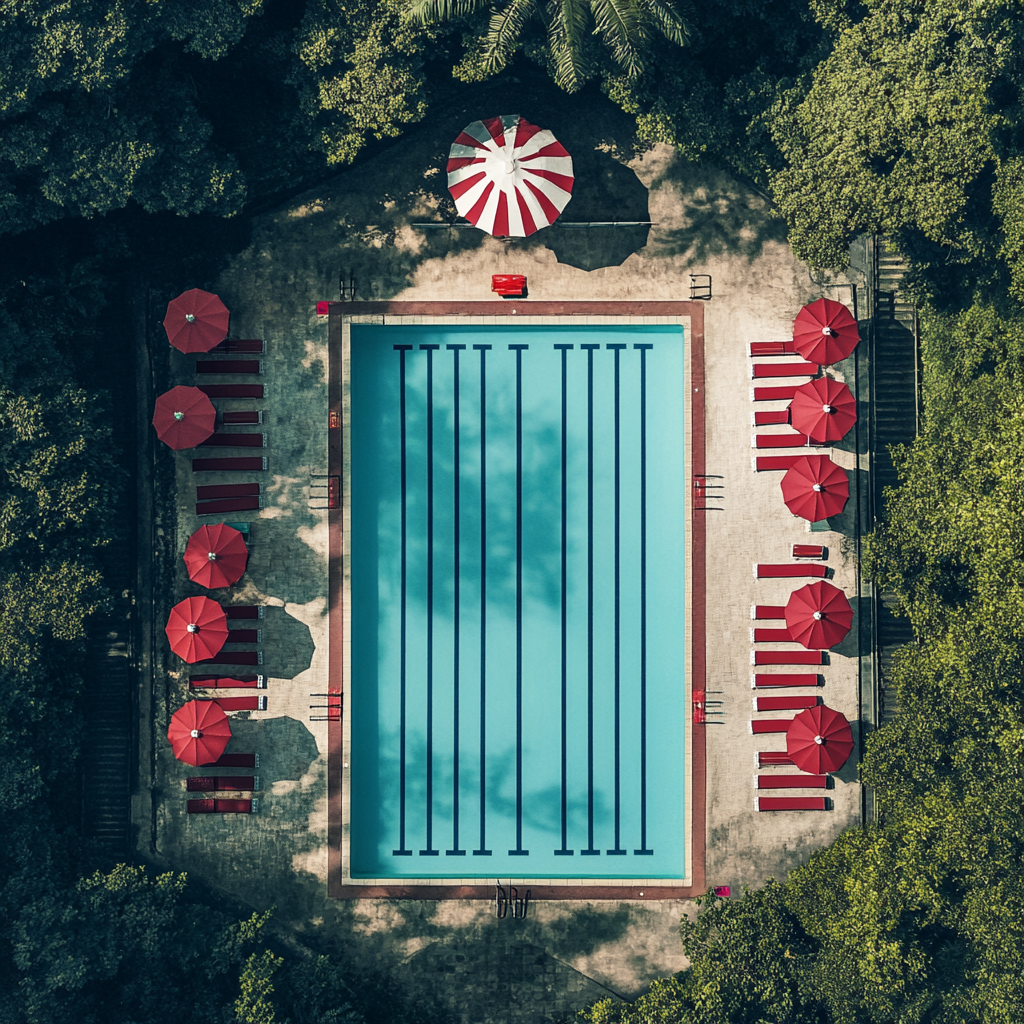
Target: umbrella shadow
[[286, 747], [288, 644], [850, 771]]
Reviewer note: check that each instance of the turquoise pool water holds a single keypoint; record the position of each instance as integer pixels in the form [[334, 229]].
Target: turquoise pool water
[[517, 692]]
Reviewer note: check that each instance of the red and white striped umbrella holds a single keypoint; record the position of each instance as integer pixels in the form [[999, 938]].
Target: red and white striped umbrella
[[508, 177]]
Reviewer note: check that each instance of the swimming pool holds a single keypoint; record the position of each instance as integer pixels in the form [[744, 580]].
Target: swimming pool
[[517, 694]]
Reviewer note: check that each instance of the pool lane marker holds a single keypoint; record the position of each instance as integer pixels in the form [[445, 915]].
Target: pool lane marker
[[590, 851], [402, 851], [483, 851], [456, 581], [519, 851], [430, 851], [643, 851], [617, 851], [564, 851]]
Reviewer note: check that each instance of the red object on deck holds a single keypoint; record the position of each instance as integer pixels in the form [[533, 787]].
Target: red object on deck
[[241, 682], [818, 615], [819, 740], [221, 783], [197, 629], [236, 439], [787, 440], [247, 345], [234, 658], [825, 331], [198, 732], [769, 462], [762, 726], [772, 348], [768, 758], [184, 417], [242, 611], [786, 369], [765, 679], [771, 417], [323, 309], [786, 703], [792, 803], [215, 556], [815, 488], [257, 703], [208, 492], [231, 464], [792, 782], [769, 611], [774, 394], [816, 551], [220, 806], [789, 657], [768, 571], [824, 409], [508, 285], [217, 508], [196, 321]]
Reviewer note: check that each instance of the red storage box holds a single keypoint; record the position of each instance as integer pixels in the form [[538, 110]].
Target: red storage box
[[508, 285]]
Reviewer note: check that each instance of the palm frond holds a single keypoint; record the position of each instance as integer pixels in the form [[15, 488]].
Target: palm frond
[[431, 12], [667, 20], [567, 40], [618, 23], [505, 31]]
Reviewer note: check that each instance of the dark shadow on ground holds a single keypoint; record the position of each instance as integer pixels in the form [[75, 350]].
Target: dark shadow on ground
[[722, 217], [286, 747], [287, 644]]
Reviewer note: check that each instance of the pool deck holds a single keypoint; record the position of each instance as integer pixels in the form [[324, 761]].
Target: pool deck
[[451, 953], [494, 313]]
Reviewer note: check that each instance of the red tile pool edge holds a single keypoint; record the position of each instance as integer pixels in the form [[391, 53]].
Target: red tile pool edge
[[336, 889]]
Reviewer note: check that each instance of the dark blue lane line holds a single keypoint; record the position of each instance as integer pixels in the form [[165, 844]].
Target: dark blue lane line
[[590, 851], [430, 851], [618, 851], [519, 851], [564, 851], [643, 851], [456, 598], [402, 851], [483, 851]]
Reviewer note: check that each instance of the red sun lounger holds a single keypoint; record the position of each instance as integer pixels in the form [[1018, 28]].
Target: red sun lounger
[[767, 611], [246, 345], [770, 636], [785, 703], [760, 441], [761, 680], [769, 417], [815, 551], [787, 658], [235, 440], [242, 703], [223, 784], [235, 464], [771, 571], [234, 658], [207, 492], [242, 416], [771, 758], [235, 761], [759, 727], [244, 636], [239, 682], [791, 803], [221, 806], [243, 611], [800, 781], [786, 369], [772, 348], [771, 393], [216, 508], [233, 366], [232, 390], [772, 462]]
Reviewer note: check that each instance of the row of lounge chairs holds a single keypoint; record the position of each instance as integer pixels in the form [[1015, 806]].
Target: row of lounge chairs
[[808, 562]]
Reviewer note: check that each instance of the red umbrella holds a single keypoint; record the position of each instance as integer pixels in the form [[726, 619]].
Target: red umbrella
[[508, 177], [823, 409], [825, 332], [215, 556], [184, 417], [814, 487], [197, 628], [819, 740], [199, 732], [818, 616], [196, 321]]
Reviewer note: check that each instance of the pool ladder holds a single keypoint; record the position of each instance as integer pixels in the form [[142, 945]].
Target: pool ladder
[[503, 901]]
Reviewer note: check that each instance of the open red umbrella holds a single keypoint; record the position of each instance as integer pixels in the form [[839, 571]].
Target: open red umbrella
[[825, 332], [184, 417], [196, 321], [199, 732], [823, 409], [197, 628], [818, 615], [508, 177], [215, 556], [819, 740], [814, 487]]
